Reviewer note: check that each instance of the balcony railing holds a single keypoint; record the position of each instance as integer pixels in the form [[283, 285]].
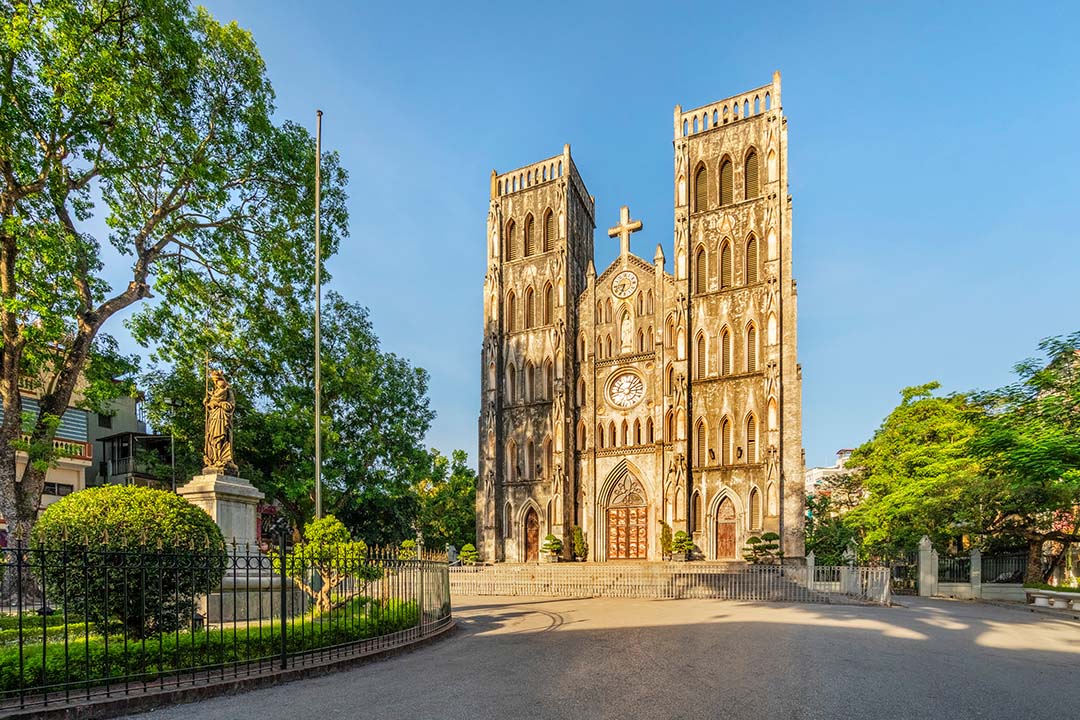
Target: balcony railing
[[70, 449]]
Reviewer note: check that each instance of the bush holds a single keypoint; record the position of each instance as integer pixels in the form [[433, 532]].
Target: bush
[[581, 548], [407, 551], [762, 550], [552, 545], [682, 543], [329, 552], [468, 554], [665, 539], [131, 554]]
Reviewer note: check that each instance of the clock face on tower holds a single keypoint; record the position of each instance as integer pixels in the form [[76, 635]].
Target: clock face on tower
[[626, 390], [624, 284]]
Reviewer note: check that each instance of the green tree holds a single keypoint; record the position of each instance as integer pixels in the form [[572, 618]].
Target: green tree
[[916, 471], [1029, 450], [827, 535], [329, 552], [149, 118], [447, 501]]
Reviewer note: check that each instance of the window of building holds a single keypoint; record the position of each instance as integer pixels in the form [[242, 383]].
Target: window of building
[[750, 175], [549, 231], [725, 265], [104, 421], [511, 384], [751, 261], [700, 358], [549, 304], [58, 489], [530, 237], [511, 312], [700, 271], [751, 439], [511, 241], [725, 352], [725, 442], [755, 509], [695, 509], [701, 189], [700, 444], [727, 180], [751, 348], [649, 434], [530, 309]]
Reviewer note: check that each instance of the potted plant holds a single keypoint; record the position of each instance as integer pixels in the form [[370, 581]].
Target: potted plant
[[468, 554], [581, 548], [552, 548], [665, 541], [762, 550], [681, 546]]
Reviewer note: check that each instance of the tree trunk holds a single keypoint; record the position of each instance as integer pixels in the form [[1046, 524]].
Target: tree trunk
[[1033, 574]]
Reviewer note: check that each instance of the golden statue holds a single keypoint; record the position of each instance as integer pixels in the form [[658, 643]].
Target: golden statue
[[220, 404]]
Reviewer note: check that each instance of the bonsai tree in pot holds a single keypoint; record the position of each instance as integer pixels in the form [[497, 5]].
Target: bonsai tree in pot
[[468, 554], [552, 547], [762, 550], [682, 546], [580, 546]]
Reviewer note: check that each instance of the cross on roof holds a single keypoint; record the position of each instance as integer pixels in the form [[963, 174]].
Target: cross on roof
[[624, 228]]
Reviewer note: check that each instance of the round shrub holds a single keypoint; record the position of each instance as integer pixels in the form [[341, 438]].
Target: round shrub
[[130, 554], [468, 554]]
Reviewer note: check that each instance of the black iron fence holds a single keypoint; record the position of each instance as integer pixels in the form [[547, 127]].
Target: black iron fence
[[954, 569], [1004, 567], [77, 625]]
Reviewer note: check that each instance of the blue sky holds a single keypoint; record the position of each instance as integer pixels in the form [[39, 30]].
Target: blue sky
[[932, 160]]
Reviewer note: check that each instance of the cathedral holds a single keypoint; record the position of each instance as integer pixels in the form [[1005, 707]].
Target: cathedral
[[640, 395]]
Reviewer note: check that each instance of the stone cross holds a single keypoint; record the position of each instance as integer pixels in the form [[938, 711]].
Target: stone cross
[[624, 228]]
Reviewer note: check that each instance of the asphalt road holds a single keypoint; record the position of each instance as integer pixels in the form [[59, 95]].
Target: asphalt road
[[606, 658]]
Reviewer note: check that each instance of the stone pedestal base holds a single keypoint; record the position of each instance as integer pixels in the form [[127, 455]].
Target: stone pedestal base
[[232, 502]]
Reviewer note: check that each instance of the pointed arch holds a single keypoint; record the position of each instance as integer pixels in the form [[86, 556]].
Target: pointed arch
[[669, 380], [669, 331], [650, 338], [511, 250], [771, 498], [530, 236], [680, 505], [549, 304], [727, 181], [680, 265], [549, 231], [641, 303], [725, 351], [701, 444], [508, 520], [511, 383], [549, 380], [581, 392], [725, 264], [755, 509], [695, 509], [772, 419], [637, 431], [607, 310], [599, 347], [771, 333], [669, 426], [725, 441], [511, 312], [750, 262], [700, 357], [650, 435], [751, 168], [701, 188], [608, 352], [600, 436], [751, 347], [513, 462], [701, 267], [770, 166], [530, 459], [530, 308], [548, 457], [581, 347], [725, 508], [751, 439], [649, 303], [612, 437], [624, 438], [599, 311], [680, 345], [640, 340], [530, 382], [581, 435]]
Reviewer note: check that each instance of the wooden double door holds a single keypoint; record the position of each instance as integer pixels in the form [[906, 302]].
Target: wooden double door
[[627, 533], [725, 531]]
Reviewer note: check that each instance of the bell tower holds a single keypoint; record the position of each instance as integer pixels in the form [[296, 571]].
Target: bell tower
[[539, 244]]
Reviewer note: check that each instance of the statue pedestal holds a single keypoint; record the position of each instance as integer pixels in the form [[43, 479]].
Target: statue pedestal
[[249, 581]]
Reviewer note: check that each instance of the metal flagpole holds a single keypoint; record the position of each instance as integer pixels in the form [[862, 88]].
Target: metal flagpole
[[318, 318]]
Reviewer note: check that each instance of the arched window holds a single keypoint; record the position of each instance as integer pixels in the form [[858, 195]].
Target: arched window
[[581, 347], [669, 332], [751, 348], [491, 375], [771, 329], [725, 265], [649, 303], [607, 310], [530, 309], [581, 392], [751, 275], [607, 347], [650, 339], [701, 267], [548, 455], [600, 436], [700, 358], [549, 231], [513, 464], [611, 433], [725, 442], [549, 304], [701, 189], [669, 427], [751, 439], [511, 311], [511, 384], [530, 382], [549, 380], [599, 311], [641, 303], [649, 434], [599, 348], [755, 509], [770, 496], [727, 180], [581, 435], [773, 425], [530, 460], [530, 236], [670, 379], [511, 241], [641, 340], [725, 352], [750, 175], [625, 439], [637, 432], [700, 444], [507, 518], [695, 509], [680, 345]]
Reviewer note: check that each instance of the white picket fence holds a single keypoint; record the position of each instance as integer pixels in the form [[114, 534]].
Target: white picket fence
[[667, 581]]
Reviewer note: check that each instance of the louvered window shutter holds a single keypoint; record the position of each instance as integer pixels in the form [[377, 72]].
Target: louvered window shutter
[[725, 443], [701, 359], [549, 232], [701, 459], [511, 243], [530, 238], [700, 268], [751, 261], [725, 266], [751, 440], [701, 190], [750, 177], [725, 350], [751, 349], [727, 179]]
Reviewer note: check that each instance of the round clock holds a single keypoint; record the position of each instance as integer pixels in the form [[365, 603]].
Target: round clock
[[624, 284], [626, 390]]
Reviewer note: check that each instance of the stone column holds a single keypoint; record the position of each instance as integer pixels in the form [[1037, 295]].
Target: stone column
[[928, 568], [976, 573]]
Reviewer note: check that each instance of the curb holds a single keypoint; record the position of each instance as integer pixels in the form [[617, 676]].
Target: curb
[[145, 702]]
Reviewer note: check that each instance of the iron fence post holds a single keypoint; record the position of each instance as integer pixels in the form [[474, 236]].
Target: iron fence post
[[282, 528]]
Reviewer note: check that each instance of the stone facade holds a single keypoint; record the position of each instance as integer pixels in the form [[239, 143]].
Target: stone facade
[[638, 396]]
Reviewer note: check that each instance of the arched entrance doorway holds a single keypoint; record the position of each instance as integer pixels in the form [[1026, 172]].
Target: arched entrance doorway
[[532, 536], [725, 530], [627, 521]]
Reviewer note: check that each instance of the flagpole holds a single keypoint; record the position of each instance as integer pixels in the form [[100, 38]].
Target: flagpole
[[318, 318]]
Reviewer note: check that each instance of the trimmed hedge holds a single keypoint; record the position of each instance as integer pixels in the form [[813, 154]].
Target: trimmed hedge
[[89, 663]]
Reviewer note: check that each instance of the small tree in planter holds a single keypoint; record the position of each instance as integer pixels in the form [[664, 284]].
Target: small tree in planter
[[665, 540], [764, 550], [468, 554], [581, 548], [552, 547], [681, 546]]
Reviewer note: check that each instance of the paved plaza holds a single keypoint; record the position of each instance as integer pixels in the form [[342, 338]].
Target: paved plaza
[[606, 658]]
